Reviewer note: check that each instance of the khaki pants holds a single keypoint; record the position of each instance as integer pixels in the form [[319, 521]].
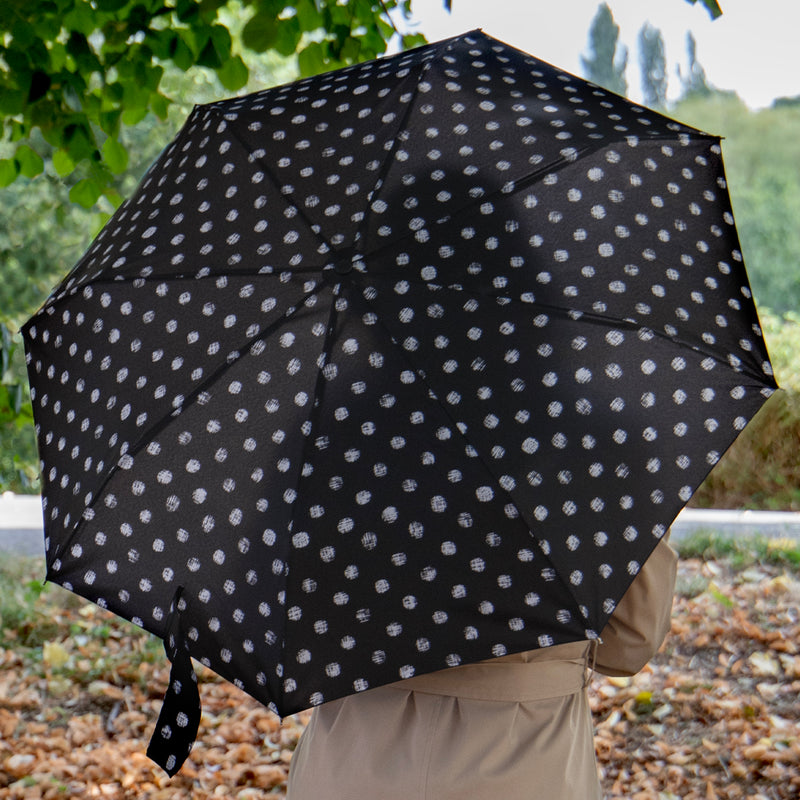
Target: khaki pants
[[514, 728]]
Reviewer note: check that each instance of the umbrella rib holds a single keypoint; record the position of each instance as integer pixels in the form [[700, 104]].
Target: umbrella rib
[[312, 226], [592, 316], [523, 182], [289, 197], [434, 395], [313, 418], [557, 164], [633, 324], [396, 139], [234, 357]]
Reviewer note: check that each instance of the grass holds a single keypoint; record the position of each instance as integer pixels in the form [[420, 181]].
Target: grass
[[740, 551], [23, 618], [59, 633]]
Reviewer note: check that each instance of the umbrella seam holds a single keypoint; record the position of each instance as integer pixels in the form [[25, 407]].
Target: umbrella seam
[[758, 377], [312, 419], [288, 198], [434, 395], [441, 47], [189, 400], [556, 165], [313, 227]]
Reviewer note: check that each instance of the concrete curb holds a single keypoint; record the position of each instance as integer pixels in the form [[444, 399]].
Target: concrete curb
[[21, 524], [767, 524], [21, 529]]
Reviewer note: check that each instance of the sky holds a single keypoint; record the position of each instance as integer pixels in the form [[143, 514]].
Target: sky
[[753, 48]]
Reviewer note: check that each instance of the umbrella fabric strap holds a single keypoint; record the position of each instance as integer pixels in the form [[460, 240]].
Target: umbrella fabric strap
[[176, 729]]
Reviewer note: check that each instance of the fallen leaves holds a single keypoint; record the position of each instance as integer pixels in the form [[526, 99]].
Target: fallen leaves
[[715, 714], [713, 717]]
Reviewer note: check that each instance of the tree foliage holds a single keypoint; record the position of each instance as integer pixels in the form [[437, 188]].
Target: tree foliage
[[18, 450], [607, 59], [761, 149], [74, 73], [712, 6], [694, 79], [653, 63]]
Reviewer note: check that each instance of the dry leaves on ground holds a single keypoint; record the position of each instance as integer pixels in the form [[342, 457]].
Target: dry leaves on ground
[[716, 713], [713, 717]]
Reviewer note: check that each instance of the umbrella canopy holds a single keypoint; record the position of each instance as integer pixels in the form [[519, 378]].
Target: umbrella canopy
[[393, 369]]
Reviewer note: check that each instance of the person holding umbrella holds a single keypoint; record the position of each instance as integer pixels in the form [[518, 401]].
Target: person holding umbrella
[[516, 727], [394, 370]]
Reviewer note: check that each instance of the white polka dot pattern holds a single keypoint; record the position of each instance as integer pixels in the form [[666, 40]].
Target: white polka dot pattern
[[392, 369]]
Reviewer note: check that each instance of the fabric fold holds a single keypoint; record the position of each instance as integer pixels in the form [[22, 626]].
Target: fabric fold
[[557, 673], [176, 729]]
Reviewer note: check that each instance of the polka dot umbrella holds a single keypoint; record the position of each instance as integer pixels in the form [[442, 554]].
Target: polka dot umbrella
[[396, 368]]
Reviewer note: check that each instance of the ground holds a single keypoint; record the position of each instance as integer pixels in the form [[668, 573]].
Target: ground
[[715, 715]]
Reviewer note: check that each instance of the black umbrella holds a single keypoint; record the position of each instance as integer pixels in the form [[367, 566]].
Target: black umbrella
[[396, 368]]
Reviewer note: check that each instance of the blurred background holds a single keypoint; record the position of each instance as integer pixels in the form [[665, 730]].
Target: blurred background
[[87, 103]]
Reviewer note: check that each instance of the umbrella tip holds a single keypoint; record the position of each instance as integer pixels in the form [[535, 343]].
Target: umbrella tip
[[344, 265], [348, 260]]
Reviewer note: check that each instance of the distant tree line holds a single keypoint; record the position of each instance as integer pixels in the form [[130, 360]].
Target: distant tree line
[[606, 62]]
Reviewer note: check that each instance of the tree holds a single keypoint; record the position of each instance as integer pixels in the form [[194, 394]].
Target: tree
[[653, 63], [694, 81], [85, 82], [74, 73], [607, 59]]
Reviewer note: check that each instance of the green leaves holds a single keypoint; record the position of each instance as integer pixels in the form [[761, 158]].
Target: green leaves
[[6, 349], [233, 74], [309, 15], [267, 31], [111, 5], [26, 162], [75, 73], [181, 54], [215, 47], [78, 138], [325, 34], [260, 32], [86, 192], [9, 170], [30, 162], [115, 155], [62, 163], [712, 6], [12, 393], [11, 401], [311, 59]]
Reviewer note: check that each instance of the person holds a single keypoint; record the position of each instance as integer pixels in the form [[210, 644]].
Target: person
[[513, 727]]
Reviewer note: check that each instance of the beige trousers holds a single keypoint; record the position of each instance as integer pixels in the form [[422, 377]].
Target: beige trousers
[[416, 739]]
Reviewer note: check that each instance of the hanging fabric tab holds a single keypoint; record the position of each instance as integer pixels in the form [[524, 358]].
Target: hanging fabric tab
[[176, 729]]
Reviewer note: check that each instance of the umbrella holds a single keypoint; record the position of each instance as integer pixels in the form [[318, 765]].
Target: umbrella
[[396, 368]]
